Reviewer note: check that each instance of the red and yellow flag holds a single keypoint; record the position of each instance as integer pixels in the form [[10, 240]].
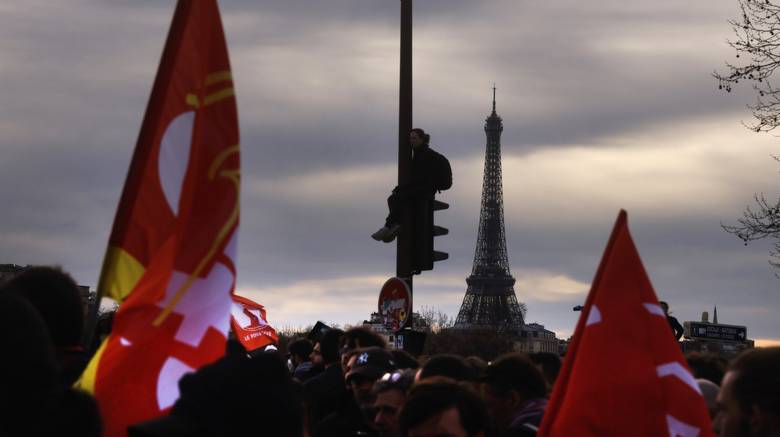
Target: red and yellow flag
[[624, 374], [172, 252]]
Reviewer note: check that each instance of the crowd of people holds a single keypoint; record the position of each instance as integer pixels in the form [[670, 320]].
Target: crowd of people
[[331, 382]]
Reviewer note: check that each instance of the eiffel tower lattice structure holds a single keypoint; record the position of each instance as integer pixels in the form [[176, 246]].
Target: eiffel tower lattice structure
[[490, 301]]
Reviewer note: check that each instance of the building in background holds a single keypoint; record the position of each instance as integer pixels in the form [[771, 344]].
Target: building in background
[[8, 271], [396, 339], [534, 338]]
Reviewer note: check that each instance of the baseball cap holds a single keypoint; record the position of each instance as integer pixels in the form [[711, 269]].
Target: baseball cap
[[371, 363]]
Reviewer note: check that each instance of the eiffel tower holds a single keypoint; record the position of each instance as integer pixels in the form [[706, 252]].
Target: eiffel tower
[[490, 301]]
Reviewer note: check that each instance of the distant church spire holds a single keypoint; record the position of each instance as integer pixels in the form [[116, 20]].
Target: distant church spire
[[715, 315]]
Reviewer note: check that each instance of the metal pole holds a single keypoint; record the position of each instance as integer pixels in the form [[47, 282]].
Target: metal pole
[[403, 265]]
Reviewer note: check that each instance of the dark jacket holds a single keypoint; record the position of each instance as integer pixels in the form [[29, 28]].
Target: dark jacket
[[431, 172], [347, 421], [324, 393], [677, 329]]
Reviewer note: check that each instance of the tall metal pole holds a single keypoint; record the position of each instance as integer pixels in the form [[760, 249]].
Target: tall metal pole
[[403, 249]]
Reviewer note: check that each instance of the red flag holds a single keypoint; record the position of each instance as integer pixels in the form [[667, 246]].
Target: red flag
[[172, 250], [624, 373], [249, 322]]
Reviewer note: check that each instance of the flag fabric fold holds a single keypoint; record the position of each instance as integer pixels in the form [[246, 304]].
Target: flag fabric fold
[[172, 250], [249, 322], [624, 373]]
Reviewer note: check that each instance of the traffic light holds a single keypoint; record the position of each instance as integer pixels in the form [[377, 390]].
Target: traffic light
[[424, 229]]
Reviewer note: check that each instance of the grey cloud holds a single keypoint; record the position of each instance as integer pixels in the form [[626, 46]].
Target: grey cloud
[[317, 93]]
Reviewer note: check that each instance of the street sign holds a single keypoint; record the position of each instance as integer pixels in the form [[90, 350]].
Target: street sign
[[395, 303], [713, 331], [399, 341]]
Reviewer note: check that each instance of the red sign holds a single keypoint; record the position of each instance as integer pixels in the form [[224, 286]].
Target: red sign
[[395, 303], [250, 324]]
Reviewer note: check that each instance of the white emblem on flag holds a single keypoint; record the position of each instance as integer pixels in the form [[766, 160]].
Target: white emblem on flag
[[679, 428], [594, 316], [205, 305], [654, 309], [677, 370], [174, 158], [168, 381], [207, 302], [248, 318]]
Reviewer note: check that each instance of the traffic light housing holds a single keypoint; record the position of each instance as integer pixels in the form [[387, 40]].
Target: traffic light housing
[[424, 230]]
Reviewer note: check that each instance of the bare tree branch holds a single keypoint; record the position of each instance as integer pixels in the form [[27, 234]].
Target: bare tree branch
[[436, 318], [757, 42], [762, 220]]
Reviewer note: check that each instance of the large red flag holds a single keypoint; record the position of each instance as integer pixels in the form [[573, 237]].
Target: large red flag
[[249, 322], [624, 373], [172, 250]]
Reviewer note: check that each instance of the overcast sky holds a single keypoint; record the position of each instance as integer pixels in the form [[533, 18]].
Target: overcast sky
[[606, 105]]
